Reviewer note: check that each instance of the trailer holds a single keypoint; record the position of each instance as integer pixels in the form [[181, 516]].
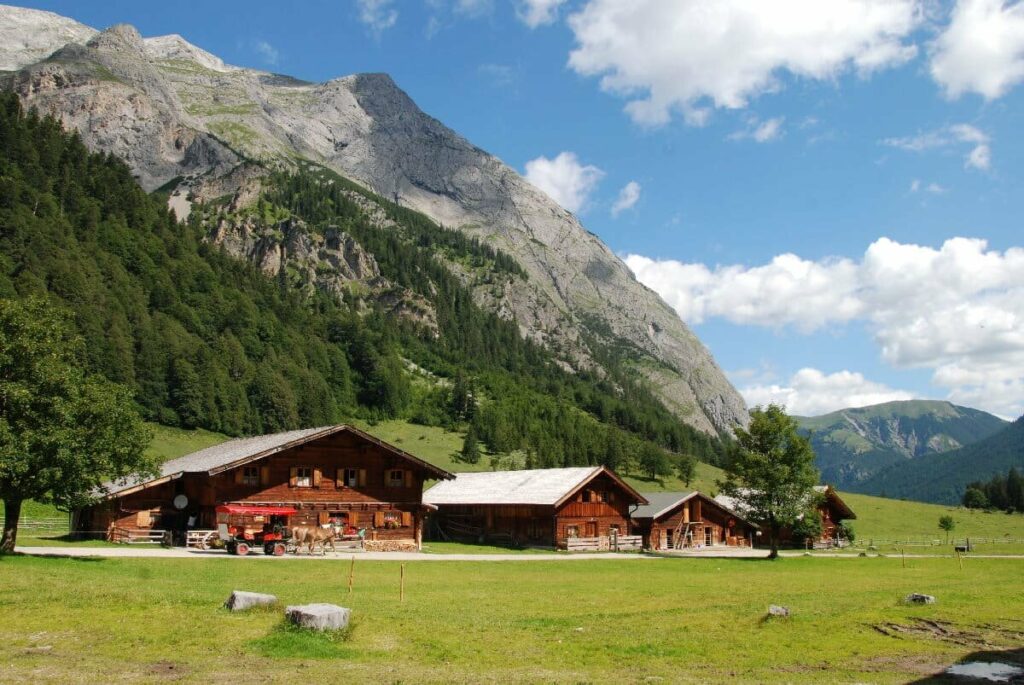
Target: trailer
[[243, 528]]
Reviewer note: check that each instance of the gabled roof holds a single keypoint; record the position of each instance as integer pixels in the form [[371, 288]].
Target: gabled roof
[[661, 503], [826, 490], [532, 486], [234, 453]]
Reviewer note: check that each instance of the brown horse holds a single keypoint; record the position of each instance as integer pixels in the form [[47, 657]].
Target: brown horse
[[313, 535]]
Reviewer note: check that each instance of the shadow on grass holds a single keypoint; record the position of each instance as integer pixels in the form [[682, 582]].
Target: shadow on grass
[[286, 641], [983, 659], [29, 555]]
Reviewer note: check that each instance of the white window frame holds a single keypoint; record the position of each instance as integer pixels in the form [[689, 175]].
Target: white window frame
[[250, 475], [304, 476], [351, 478], [396, 482]]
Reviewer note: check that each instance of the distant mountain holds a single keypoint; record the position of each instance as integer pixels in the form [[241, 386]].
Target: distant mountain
[[188, 123], [942, 477], [852, 445]]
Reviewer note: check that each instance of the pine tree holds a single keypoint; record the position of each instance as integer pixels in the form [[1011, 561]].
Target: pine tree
[[470, 452]]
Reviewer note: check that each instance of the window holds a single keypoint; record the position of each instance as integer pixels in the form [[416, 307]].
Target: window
[[250, 475], [304, 477], [396, 478], [572, 531], [351, 478]]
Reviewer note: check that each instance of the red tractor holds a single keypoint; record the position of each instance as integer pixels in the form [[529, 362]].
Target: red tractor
[[244, 527]]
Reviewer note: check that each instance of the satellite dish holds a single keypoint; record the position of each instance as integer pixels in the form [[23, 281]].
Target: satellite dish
[[180, 501]]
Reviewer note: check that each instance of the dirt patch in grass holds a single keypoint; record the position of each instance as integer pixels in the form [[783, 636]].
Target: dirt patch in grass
[[168, 670], [976, 637]]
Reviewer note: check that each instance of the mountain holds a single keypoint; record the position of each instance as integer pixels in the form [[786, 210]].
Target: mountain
[[186, 122], [852, 445], [942, 477], [333, 304]]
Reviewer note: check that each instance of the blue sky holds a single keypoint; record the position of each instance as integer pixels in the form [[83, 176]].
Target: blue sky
[[860, 136]]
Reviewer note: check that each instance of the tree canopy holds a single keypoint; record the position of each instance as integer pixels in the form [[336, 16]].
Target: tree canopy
[[63, 432], [771, 472]]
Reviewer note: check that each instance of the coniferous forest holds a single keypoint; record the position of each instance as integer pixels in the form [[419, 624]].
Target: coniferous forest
[[205, 340]]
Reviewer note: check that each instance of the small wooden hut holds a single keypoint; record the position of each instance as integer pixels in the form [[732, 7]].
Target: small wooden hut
[[690, 520], [575, 508]]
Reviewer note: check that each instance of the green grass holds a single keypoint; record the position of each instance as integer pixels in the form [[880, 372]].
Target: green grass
[[888, 519], [170, 443], [686, 620]]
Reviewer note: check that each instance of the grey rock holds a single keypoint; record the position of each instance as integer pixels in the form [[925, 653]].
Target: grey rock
[[318, 616], [172, 110], [776, 610], [917, 598], [240, 600]]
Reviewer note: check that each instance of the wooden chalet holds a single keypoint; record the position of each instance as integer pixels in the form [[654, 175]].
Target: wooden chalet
[[564, 507], [333, 474], [831, 508], [690, 520]]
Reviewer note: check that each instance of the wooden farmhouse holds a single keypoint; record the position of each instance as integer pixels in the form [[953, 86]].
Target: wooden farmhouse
[[576, 508], [831, 508], [690, 520], [334, 474]]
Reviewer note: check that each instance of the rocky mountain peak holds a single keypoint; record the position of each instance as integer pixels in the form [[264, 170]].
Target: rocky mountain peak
[[28, 36], [174, 47], [122, 38]]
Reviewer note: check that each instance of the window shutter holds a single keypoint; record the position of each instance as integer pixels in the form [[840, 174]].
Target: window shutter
[[144, 520], [293, 475], [408, 479], [353, 519], [339, 478], [406, 517], [378, 519], [362, 477], [239, 475], [324, 517], [318, 476], [387, 482], [264, 475]]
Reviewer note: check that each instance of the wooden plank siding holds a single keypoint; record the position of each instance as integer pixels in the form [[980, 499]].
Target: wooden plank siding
[[711, 525], [385, 499]]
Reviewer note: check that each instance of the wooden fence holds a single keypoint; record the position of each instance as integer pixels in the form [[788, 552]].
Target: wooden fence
[[137, 536], [59, 525], [616, 543]]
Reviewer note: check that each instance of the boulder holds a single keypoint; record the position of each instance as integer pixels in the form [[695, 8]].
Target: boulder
[[776, 610], [318, 616], [241, 600], [917, 598]]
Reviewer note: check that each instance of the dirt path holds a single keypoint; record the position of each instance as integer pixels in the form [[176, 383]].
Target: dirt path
[[129, 551]]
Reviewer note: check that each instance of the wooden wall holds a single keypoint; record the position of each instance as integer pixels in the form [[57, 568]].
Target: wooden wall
[[370, 503], [712, 526]]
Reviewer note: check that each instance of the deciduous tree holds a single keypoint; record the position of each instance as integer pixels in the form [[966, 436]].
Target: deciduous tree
[[63, 433], [771, 472]]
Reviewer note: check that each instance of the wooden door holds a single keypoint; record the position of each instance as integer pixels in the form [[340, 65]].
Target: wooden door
[[591, 529]]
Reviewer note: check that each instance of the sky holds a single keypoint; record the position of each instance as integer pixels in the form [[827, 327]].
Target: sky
[[828, 192]]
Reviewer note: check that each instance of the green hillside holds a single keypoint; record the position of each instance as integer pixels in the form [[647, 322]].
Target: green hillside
[[852, 445], [942, 477], [208, 341]]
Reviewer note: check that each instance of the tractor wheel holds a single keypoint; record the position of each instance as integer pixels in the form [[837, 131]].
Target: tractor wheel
[[279, 549], [242, 548]]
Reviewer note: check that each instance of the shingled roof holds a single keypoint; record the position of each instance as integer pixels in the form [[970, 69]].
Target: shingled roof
[[531, 486], [234, 453]]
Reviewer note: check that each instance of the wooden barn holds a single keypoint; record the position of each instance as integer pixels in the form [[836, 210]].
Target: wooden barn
[[690, 520], [333, 474], [575, 508], [831, 508]]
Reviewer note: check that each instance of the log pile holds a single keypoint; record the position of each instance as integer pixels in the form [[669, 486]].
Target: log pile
[[390, 546]]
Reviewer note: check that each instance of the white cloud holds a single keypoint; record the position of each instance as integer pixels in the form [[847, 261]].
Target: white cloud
[[691, 55], [809, 392], [958, 309], [760, 131], [377, 15], [536, 13], [474, 8], [628, 197], [564, 179], [499, 75], [978, 157], [981, 50], [267, 52]]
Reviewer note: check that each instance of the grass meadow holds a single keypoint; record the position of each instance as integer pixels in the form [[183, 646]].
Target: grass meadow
[[645, 620]]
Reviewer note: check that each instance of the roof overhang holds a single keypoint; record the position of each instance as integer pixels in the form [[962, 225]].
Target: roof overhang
[[141, 486], [611, 474]]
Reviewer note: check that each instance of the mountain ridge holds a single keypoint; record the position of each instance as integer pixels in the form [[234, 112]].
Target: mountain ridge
[[177, 118], [854, 444]]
